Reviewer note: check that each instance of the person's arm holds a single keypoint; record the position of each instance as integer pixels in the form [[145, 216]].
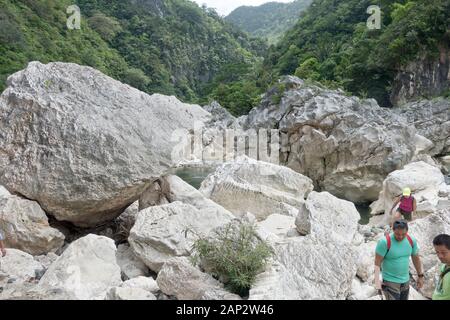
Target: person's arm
[[418, 265], [378, 262], [414, 208], [396, 216], [396, 202]]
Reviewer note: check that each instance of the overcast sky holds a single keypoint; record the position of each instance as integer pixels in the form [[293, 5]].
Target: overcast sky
[[224, 7]]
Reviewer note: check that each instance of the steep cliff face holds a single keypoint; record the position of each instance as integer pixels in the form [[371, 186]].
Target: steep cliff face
[[425, 77]]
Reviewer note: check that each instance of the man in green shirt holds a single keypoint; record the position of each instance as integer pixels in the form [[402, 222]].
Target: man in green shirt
[[442, 247], [392, 258]]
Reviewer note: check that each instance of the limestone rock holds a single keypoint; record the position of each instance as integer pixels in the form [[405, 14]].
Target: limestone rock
[[261, 188], [86, 269], [425, 230], [144, 283], [167, 231], [179, 190], [179, 278], [26, 227], [4, 192], [346, 145], [109, 144], [130, 265], [425, 182], [299, 268], [19, 266], [328, 217], [431, 118], [362, 291], [128, 293], [279, 225]]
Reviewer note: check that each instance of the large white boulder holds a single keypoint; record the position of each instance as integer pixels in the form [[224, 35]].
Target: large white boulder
[[362, 291], [431, 118], [130, 265], [179, 190], [261, 188], [19, 265], [415, 295], [425, 230], [328, 217], [167, 231], [128, 293], [144, 283], [86, 269], [84, 145], [279, 225], [346, 145], [180, 279], [431, 278], [26, 227], [4, 192], [307, 268], [425, 182]]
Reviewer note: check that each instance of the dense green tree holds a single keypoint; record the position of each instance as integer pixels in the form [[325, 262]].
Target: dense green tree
[[332, 44], [172, 47], [270, 20]]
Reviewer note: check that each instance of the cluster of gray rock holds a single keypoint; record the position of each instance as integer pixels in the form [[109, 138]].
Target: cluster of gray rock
[[79, 147]]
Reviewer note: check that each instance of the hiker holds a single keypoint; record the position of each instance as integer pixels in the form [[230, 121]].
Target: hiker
[[392, 258], [442, 247], [2, 246], [407, 207]]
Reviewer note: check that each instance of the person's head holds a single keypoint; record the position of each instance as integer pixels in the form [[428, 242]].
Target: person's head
[[400, 229], [442, 247], [406, 192]]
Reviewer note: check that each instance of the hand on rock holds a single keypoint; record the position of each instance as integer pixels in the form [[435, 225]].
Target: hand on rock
[[420, 283]]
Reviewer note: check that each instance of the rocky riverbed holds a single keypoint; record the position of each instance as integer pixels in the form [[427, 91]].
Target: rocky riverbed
[[97, 187]]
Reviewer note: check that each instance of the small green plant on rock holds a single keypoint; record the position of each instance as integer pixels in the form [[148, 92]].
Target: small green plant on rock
[[234, 254]]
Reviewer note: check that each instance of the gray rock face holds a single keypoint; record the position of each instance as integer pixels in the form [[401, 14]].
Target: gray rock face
[[144, 283], [84, 145], [131, 266], [154, 195], [19, 265], [179, 190], [361, 291], [425, 230], [267, 115], [4, 192], [432, 120], [423, 77], [261, 188], [328, 217], [26, 227], [127, 293], [179, 278], [307, 268], [167, 231], [85, 271], [347, 146], [221, 117]]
